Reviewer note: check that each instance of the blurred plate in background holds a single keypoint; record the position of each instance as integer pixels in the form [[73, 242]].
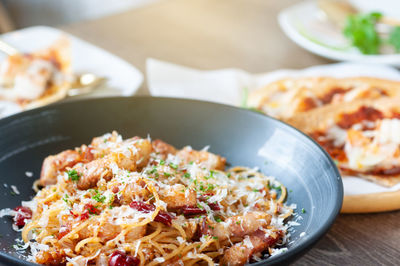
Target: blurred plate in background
[[306, 25], [123, 79]]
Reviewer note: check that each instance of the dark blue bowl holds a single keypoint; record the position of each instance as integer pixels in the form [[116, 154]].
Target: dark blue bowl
[[245, 138]]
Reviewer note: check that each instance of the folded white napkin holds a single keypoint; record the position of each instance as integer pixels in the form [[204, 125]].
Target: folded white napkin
[[229, 86]]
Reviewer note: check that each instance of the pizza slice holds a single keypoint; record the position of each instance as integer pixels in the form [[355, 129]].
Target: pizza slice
[[287, 97], [362, 137]]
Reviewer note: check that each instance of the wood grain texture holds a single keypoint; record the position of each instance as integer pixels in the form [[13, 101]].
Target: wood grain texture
[[212, 34]]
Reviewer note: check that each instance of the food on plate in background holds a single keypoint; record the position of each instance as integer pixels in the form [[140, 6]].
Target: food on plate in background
[[285, 98], [356, 120], [363, 137], [143, 202], [370, 33], [38, 78]]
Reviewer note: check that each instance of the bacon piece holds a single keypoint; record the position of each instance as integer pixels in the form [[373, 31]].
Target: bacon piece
[[132, 190], [192, 210], [237, 226], [162, 216], [240, 253], [109, 231], [53, 164], [203, 158], [163, 148], [177, 196], [133, 154], [90, 173], [52, 256]]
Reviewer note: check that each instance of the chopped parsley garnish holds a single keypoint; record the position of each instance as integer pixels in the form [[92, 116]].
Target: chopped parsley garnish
[[210, 187], [99, 198], [237, 222], [218, 220], [152, 171], [173, 166], [191, 162], [65, 199], [270, 186], [167, 174], [186, 175], [303, 210], [162, 162], [73, 175]]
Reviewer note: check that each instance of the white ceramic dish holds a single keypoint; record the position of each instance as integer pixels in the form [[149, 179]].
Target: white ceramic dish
[[307, 26], [123, 78]]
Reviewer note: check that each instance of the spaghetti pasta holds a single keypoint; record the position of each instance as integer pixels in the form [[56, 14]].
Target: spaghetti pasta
[[142, 202]]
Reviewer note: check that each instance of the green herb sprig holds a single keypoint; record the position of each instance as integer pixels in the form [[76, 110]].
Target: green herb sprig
[[360, 30]]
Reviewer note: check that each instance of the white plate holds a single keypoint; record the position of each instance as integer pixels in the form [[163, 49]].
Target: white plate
[[123, 78], [306, 25]]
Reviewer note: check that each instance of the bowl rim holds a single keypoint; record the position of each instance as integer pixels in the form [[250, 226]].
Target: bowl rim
[[291, 253]]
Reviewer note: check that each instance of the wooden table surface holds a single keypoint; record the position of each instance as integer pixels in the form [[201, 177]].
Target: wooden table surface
[[213, 34]]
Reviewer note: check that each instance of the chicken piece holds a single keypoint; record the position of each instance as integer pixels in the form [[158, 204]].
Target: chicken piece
[[132, 155], [92, 172], [113, 144], [162, 148], [177, 196], [54, 164], [87, 153], [132, 190], [203, 158], [52, 256], [109, 231], [103, 145], [240, 253], [238, 226]]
